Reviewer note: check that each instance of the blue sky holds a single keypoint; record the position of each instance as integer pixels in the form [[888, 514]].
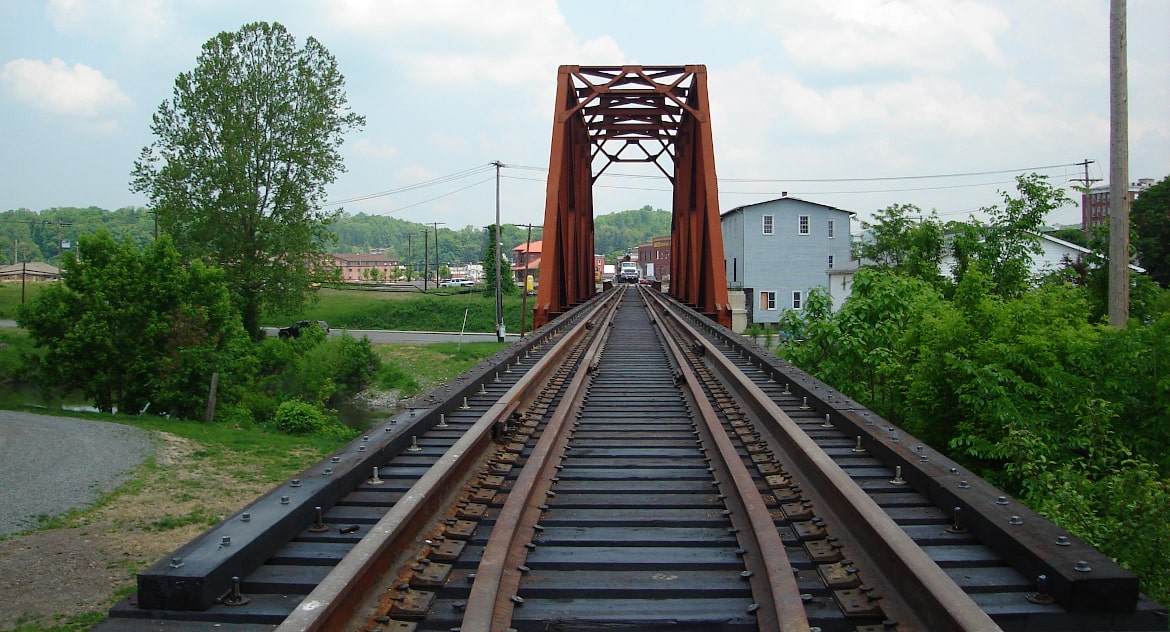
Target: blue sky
[[880, 92]]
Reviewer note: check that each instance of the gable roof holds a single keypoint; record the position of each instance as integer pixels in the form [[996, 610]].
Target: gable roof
[[783, 199]]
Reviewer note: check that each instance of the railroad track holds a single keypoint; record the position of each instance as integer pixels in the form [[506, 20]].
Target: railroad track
[[637, 468]]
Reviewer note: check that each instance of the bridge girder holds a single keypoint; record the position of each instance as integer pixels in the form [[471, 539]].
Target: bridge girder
[[649, 114]]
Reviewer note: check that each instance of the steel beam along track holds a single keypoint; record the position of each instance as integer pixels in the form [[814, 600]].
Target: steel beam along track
[[638, 468]]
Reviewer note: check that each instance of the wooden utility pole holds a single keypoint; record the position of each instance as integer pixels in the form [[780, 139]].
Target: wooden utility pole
[[436, 225], [426, 257], [409, 262], [500, 331], [524, 281], [1118, 168]]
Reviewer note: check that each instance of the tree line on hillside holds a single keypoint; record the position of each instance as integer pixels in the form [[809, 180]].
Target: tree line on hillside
[[37, 233]]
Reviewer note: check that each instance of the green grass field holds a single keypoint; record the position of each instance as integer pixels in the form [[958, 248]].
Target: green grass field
[[437, 310], [10, 296]]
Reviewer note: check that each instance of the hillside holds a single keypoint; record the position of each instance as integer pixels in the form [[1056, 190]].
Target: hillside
[[36, 233]]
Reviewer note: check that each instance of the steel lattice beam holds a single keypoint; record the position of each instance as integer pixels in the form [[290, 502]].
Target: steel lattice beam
[[649, 114]]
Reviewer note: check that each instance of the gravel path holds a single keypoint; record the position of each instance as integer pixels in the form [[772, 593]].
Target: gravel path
[[49, 465]]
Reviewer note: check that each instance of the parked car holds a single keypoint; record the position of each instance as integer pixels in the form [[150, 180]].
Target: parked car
[[294, 330], [457, 283], [647, 280]]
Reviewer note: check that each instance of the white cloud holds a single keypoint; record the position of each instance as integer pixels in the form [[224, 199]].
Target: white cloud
[[505, 43], [371, 149], [144, 19], [850, 35], [56, 87]]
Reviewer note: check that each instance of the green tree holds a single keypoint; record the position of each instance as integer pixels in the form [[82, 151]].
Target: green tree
[[906, 241], [132, 328], [507, 284], [1003, 248], [1150, 216], [242, 153]]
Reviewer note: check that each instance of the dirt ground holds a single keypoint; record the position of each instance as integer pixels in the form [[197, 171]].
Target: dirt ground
[[86, 566]]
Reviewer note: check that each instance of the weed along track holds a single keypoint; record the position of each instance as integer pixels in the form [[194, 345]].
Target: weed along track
[[633, 466]]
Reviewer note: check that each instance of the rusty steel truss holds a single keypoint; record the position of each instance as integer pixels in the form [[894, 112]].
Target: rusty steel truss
[[647, 114]]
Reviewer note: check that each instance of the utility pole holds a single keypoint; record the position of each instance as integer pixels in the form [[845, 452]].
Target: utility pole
[[524, 282], [426, 257], [409, 262], [499, 288], [1086, 181], [1118, 167], [436, 225]]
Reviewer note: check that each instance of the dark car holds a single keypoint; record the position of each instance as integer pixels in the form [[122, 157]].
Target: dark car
[[294, 330]]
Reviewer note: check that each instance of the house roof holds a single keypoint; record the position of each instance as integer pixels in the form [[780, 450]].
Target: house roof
[[362, 259], [783, 199], [32, 268], [532, 265], [533, 247]]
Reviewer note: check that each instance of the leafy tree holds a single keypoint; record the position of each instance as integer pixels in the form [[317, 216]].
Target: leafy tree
[[906, 241], [1072, 235], [242, 153], [507, 283], [1003, 248], [1150, 216], [132, 328]]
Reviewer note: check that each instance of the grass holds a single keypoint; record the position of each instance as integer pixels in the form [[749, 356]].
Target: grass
[[438, 310], [434, 364], [63, 623], [10, 296]]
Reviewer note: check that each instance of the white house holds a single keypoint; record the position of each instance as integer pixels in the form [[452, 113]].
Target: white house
[[776, 251]]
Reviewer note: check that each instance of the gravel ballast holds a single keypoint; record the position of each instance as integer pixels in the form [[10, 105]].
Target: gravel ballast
[[50, 465]]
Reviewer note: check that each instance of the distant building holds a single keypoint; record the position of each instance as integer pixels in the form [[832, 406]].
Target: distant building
[[776, 251], [1095, 203], [31, 272], [654, 258], [526, 258], [360, 268]]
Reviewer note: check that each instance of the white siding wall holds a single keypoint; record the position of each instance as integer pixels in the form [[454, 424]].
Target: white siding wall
[[786, 262]]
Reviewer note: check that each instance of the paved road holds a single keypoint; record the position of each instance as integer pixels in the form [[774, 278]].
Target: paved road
[[49, 465], [382, 336]]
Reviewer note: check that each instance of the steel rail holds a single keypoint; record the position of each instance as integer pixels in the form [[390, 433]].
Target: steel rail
[[497, 578], [919, 593], [329, 605], [773, 583]]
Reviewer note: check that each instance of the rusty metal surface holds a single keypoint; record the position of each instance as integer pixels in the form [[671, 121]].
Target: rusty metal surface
[[914, 588], [336, 598], [645, 114], [773, 584], [497, 581]]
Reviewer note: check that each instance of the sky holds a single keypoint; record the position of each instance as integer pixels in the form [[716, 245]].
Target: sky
[[856, 104]]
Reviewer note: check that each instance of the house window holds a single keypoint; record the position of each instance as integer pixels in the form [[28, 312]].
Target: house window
[[768, 219], [830, 262], [768, 300], [796, 299], [831, 227], [803, 224]]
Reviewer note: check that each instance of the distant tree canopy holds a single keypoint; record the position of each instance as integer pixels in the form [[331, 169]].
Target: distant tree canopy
[[1150, 216], [242, 153], [615, 233], [36, 234]]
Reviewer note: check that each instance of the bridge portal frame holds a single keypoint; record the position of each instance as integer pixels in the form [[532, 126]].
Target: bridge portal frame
[[649, 114]]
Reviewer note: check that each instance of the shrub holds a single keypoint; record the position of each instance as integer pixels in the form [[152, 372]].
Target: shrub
[[296, 417]]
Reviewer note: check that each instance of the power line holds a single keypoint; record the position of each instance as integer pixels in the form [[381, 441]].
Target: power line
[[459, 175], [871, 179]]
